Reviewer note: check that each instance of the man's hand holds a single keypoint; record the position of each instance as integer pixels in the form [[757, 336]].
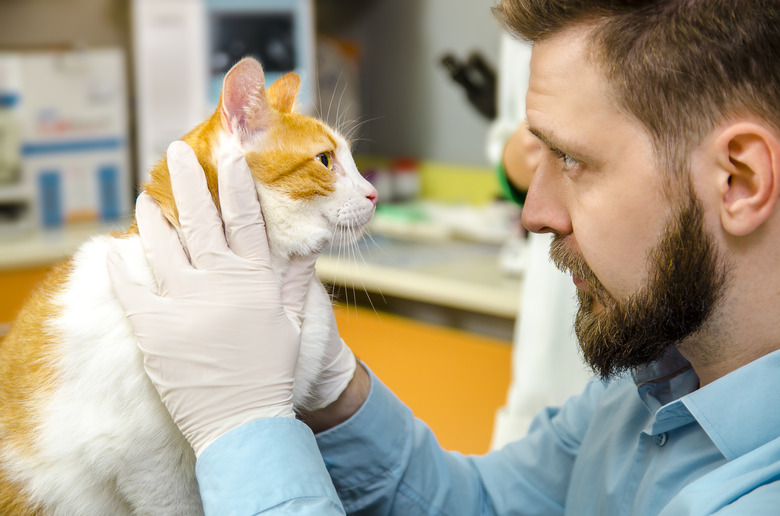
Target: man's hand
[[220, 335]]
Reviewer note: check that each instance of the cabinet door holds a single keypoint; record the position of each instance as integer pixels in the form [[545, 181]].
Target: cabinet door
[[16, 285]]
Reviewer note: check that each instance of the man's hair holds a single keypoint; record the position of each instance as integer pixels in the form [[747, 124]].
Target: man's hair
[[679, 66]]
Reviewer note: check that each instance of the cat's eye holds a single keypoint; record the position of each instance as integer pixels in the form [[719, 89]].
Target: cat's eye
[[326, 159]]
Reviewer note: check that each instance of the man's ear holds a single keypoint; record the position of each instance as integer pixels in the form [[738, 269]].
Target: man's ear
[[748, 153]]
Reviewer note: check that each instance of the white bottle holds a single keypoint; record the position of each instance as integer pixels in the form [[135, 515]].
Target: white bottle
[[10, 141]]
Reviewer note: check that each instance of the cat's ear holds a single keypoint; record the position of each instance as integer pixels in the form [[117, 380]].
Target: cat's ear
[[283, 92], [244, 103]]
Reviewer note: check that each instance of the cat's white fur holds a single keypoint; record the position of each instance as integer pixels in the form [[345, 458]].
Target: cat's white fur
[[105, 444]]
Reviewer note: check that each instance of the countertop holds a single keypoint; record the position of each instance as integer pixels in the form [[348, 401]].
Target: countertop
[[45, 247], [450, 273]]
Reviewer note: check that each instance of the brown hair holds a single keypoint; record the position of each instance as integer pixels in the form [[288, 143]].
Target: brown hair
[[679, 66]]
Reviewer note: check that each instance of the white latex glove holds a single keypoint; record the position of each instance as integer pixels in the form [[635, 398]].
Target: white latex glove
[[220, 336], [338, 364]]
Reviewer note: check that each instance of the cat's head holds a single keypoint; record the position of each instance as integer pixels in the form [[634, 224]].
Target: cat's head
[[310, 190]]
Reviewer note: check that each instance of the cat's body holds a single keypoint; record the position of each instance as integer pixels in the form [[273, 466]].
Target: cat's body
[[82, 430]]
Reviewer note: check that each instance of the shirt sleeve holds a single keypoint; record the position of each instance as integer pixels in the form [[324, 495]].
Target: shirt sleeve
[[270, 466], [384, 461]]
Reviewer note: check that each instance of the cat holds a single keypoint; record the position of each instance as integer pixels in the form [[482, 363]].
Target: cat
[[82, 429]]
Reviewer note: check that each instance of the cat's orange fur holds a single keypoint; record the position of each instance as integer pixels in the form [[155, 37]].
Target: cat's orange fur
[[28, 364], [30, 351]]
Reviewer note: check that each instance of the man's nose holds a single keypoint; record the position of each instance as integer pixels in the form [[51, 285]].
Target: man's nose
[[545, 208]]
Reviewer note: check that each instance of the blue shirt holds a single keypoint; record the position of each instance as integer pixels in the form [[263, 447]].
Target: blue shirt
[[648, 443]]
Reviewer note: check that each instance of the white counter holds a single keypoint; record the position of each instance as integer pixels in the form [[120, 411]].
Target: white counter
[[43, 248], [454, 274]]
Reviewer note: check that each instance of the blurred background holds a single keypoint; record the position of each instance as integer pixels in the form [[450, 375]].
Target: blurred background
[[93, 91]]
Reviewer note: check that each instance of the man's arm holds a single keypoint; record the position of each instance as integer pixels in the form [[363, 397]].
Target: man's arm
[[385, 461]]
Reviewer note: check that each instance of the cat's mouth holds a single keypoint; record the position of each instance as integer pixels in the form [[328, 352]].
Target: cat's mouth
[[355, 216]]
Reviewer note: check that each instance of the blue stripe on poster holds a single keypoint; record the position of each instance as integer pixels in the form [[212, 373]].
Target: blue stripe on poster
[[101, 144]]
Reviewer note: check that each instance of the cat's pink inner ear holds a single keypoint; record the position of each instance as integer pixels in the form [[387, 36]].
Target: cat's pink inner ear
[[284, 91], [244, 102]]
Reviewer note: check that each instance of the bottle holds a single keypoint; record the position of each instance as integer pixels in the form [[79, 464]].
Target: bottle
[[406, 179]]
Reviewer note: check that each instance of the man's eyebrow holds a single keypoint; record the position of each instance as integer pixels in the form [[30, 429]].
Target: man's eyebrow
[[543, 138], [574, 151]]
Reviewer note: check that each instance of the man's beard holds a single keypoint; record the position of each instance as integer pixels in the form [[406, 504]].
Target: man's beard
[[685, 282]]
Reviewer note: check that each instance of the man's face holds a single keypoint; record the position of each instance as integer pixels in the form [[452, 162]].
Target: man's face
[[599, 190], [685, 283]]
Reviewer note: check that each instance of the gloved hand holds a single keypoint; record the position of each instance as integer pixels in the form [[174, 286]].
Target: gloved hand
[[338, 364], [220, 336]]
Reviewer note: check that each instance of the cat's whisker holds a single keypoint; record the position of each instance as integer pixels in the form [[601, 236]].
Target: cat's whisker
[[355, 244], [358, 124], [318, 106], [351, 252], [376, 244], [340, 115], [336, 241], [343, 120], [351, 257], [343, 262], [330, 104], [367, 234], [359, 254]]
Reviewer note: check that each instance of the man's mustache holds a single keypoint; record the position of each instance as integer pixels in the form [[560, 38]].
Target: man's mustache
[[573, 263]]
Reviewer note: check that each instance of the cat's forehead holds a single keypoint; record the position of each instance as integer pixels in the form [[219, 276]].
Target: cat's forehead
[[307, 134]]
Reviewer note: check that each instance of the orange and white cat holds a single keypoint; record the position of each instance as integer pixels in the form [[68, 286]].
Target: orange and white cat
[[82, 430]]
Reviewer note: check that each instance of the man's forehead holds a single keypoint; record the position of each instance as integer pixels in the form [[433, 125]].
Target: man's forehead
[[561, 79], [570, 105], [574, 42]]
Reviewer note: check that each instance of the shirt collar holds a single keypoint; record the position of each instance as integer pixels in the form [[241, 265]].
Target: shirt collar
[[665, 380], [740, 411]]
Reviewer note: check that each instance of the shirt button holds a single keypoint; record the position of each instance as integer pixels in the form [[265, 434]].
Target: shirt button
[[661, 439]]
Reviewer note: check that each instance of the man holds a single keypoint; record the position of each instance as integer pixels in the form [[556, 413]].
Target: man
[[659, 179]]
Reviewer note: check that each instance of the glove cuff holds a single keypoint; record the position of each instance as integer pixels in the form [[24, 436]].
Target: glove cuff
[[334, 378]]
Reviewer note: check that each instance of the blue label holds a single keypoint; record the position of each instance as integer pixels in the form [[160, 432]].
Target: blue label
[[108, 182], [50, 197], [8, 100]]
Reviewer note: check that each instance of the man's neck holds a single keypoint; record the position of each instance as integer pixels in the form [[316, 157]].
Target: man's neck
[[713, 358]]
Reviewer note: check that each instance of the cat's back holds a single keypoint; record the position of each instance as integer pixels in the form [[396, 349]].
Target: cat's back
[[77, 407]]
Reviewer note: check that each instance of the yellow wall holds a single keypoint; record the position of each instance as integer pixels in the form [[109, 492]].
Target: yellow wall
[[447, 183]]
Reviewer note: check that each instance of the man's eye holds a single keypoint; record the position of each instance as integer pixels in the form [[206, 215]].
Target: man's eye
[[325, 159], [567, 161]]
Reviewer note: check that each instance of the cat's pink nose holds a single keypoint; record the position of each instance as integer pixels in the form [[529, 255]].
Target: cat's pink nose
[[373, 197]]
